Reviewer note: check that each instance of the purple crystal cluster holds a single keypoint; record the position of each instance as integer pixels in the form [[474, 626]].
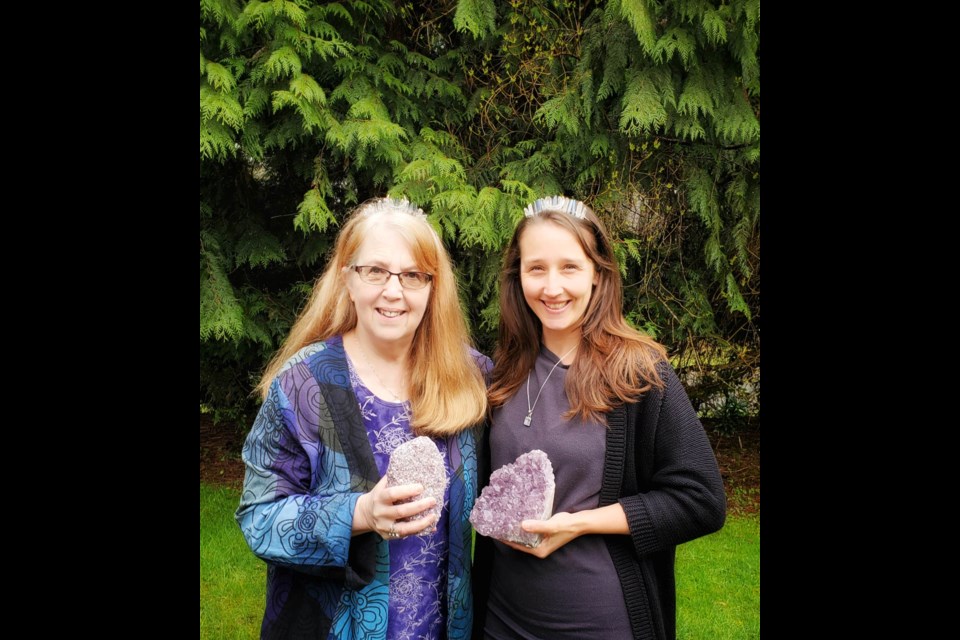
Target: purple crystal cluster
[[419, 461], [522, 490]]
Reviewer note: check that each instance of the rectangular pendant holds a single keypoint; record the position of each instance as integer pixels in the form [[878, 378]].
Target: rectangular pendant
[[526, 421]]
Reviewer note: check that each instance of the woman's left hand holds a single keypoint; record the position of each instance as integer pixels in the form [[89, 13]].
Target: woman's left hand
[[564, 527], [560, 529]]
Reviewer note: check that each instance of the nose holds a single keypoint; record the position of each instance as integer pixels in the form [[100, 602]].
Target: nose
[[392, 287], [553, 286]]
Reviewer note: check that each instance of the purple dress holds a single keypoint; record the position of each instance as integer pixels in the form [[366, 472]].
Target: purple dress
[[418, 564]]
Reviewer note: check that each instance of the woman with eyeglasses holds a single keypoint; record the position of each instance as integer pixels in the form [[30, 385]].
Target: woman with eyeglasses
[[379, 355], [635, 474]]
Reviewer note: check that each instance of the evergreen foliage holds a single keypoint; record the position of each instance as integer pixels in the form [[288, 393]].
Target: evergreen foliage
[[649, 111]]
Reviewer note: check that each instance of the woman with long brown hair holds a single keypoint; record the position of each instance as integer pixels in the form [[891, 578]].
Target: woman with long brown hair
[[635, 474]]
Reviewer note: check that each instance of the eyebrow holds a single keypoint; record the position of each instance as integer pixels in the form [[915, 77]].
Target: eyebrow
[[567, 260], [375, 262]]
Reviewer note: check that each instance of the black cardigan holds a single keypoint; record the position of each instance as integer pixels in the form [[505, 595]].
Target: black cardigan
[[660, 467]]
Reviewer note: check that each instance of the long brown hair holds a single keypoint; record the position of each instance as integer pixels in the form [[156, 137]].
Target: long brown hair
[[615, 363], [447, 392]]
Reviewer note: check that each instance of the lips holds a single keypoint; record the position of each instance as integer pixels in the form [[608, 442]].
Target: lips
[[390, 313], [556, 306]]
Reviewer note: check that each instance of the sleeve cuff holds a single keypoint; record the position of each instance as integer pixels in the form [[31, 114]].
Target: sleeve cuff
[[642, 531]]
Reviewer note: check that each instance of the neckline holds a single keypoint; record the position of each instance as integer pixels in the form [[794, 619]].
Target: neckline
[[552, 357], [355, 379]]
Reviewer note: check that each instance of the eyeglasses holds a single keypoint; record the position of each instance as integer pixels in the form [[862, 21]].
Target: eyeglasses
[[379, 275]]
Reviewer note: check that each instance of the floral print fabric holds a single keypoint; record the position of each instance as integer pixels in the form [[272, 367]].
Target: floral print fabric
[[418, 564]]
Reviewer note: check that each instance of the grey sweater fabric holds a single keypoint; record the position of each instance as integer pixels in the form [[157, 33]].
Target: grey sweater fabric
[[660, 467]]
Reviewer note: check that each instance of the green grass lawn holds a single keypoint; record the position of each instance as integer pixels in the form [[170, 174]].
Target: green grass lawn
[[718, 583], [232, 579], [718, 578]]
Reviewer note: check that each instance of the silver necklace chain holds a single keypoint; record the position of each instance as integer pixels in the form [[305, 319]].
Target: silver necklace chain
[[377, 375], [530, 408]]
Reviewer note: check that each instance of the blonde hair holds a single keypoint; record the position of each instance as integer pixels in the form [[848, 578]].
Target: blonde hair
[[615, 363], [447, 391]]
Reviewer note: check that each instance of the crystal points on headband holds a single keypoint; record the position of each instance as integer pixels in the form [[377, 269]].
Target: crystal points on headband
[[393, 205], [557, 203]]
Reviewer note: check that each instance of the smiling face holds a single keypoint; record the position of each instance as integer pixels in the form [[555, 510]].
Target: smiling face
[[386, 313], [557, 279]]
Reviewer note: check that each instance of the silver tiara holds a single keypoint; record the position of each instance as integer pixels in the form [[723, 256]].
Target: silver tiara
[[392, 205], [557, 203]]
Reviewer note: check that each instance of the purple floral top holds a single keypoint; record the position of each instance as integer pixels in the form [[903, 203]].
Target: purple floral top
[[418, 564]]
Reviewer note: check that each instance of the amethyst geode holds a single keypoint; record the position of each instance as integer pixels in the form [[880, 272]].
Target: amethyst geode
[[419, 461], [519, 491]]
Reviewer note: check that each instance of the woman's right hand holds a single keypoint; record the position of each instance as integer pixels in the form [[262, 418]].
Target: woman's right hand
[[378, 511]]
